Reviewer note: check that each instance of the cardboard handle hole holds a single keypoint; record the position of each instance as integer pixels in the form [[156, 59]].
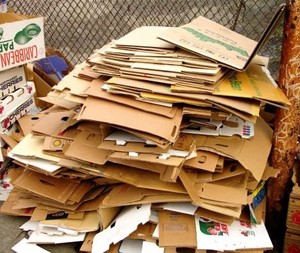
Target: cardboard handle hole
[[174, 131], [148, 145], [64, 118], [90, 137], [222, 145], [113, 224], [202, 159], [21, 93], [35, 118], [46, 182], [233, 168]]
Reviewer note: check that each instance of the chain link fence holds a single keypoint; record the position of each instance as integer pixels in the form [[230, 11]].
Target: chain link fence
[[77, 27]]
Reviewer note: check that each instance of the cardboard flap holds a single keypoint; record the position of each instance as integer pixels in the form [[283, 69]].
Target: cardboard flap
[[58, 189], [224, 194], [141, 178], [95, 91], [129, 195], [75, 85], [85, 148], [145, 36], [205, 160], [214, 206], [121, 115], [125, 223], [90, 222], [167, 173], [253, 83], [244, 150], [176, 230], [222, 45], [151, 158], [60, 121]]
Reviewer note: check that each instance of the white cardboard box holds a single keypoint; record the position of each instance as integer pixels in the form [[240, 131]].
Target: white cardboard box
[[21, 40]]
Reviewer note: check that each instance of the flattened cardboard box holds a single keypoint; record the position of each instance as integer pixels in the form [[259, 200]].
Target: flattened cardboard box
[[123, 225], [176, 230], [22, 40], [253, 83], [214, 41], [124, 195], [57, 189], [124, 116], [140, 178], [167, 173], [243, 150]]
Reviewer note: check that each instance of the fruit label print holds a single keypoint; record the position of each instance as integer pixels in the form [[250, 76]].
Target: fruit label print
[[237, 235], [21, 42]]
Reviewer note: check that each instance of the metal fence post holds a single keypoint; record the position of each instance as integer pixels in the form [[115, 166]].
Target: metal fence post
[[287, 121]]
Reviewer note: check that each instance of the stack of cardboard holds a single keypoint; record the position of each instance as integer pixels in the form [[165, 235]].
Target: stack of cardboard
[[168, 160]]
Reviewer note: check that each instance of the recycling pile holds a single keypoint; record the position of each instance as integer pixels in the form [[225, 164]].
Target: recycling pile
[[147, 146]]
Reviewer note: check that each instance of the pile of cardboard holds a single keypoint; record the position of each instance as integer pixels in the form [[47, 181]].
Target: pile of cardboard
[[151, 148]]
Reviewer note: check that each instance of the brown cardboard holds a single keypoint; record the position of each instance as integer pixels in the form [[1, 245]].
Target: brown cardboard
[[57, 189], [119, 115], [60, 122], [81, 190], [62, 98], [75, 85], [80, 166], [8, 140], [161, 142], [88, 241], [123, 195], [253, 83], [205, 160], [42, 89], [177, 230], [42, 214], [222, 45], [153, 108], [144, 232], [167, 173], [85, 148], [90, 222], [230, 170], [8, 208], [157, 92], [140, 178], [145, 36], [214, 216], [228, 208], [151, 158], [239, 149]]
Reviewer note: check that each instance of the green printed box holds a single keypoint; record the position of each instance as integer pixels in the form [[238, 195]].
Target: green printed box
[[21, 39]]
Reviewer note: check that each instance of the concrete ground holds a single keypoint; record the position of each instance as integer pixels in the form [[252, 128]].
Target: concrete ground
[[11, 234]]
